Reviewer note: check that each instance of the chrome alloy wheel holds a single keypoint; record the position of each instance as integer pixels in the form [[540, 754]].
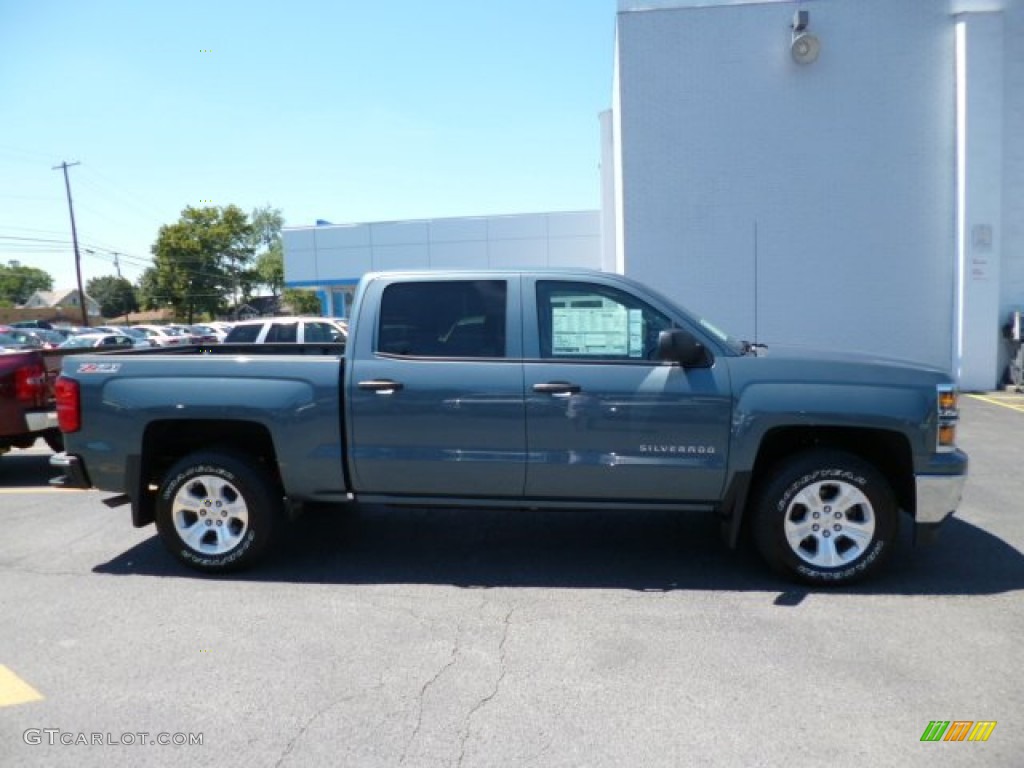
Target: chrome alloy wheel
[[829, 524], [210, 515]]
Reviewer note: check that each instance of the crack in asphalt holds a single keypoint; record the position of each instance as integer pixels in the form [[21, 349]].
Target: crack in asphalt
[[452, 659], [467, 722], [316, 716], [16, 569], [543, 751]]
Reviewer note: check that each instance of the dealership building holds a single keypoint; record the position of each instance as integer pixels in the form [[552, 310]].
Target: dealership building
[[846, 174]]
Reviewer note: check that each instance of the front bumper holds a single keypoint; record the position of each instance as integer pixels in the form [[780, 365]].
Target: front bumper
[[939, 485], [937, 499], [73, 474]]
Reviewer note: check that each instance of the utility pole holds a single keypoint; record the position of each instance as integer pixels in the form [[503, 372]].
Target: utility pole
[[74, 239]]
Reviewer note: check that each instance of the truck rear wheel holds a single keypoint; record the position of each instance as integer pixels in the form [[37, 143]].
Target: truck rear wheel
[[216, 512], [825, 517]]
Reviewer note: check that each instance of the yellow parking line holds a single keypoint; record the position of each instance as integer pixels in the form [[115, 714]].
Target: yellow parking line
[[1011, 406], [14, 690]]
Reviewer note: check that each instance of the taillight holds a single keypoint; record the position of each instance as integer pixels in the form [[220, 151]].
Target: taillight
[[30, 385], [69, 405]]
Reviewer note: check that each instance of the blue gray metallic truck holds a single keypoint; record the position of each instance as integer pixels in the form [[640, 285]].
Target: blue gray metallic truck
[[525, 390]]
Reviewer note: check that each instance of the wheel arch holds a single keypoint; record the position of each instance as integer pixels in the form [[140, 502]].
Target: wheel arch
[[166, 441], [888, 451]]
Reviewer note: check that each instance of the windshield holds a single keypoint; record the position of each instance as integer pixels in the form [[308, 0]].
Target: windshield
[[723, 338]]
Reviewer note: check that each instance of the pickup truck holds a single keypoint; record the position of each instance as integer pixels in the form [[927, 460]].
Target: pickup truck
[[519, 389], [27, 410]]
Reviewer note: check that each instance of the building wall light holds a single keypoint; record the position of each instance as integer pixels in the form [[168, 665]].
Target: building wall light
[[804, 46]]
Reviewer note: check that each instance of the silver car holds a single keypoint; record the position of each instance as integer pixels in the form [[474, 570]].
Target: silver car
[[288, 330]]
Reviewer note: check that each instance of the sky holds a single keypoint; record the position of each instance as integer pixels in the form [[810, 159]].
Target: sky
[[346, 111]]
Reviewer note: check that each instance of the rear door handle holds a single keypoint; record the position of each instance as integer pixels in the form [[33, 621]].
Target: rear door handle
[[557, 388], [383, 386]]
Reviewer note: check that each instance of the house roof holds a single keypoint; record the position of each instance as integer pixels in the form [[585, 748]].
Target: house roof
[[53, 298]]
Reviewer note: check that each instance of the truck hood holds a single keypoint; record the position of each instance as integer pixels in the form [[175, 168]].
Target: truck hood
[[781, 363]]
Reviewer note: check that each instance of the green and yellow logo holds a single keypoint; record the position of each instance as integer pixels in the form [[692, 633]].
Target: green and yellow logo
[[958, 730]]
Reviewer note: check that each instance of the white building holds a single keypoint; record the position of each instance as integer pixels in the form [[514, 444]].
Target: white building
[[330, 258], [872, 199]]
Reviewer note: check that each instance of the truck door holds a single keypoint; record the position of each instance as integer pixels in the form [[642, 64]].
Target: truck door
[[605, 419], [435, 391]]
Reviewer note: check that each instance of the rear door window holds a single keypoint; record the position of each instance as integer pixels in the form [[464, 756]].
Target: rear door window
[[282, 333], [463, 318], [244, 333], [319, 332]]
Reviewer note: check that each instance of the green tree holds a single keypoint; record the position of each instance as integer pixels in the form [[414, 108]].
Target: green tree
[[200, 261], [115, 295], [18, 283], [266, 226], [302, 302], [270, 268], [269, 249], [148, 290]]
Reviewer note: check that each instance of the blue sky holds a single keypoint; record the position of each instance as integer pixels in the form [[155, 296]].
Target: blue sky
[[346, 111]]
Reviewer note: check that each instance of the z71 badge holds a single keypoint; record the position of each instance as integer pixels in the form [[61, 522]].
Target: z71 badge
[[99, 368]]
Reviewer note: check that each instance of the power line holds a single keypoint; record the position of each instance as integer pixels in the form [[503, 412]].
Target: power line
[[109, 188]]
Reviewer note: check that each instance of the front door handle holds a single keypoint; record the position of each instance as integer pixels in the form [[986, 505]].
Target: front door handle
[[557, 388], [383, 386]]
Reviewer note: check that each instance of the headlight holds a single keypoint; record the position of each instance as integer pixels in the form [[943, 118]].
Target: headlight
[[948, 416]]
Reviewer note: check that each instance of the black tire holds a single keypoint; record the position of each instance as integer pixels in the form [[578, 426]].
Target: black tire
[[216, 512], [825, 517]]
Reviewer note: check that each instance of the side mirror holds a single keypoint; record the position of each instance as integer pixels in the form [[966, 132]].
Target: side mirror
[[679, 346]]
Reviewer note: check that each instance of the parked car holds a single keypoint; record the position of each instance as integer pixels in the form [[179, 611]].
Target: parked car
[[207, 334], [286, 330], [39, 338], [27, 407], [185, 331], [8, 341], [47, 339], [64, 332], [128, 331], [32, 324], [162, 336], [107, 340]]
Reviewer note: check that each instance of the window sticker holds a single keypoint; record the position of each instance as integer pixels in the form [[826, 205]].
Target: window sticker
[[592, 326]]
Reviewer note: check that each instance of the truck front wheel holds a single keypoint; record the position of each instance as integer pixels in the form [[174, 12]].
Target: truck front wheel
[[216, 512], [825, 517]]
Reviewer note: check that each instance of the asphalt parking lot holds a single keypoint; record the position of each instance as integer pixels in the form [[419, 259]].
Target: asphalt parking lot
[[386, 637]]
